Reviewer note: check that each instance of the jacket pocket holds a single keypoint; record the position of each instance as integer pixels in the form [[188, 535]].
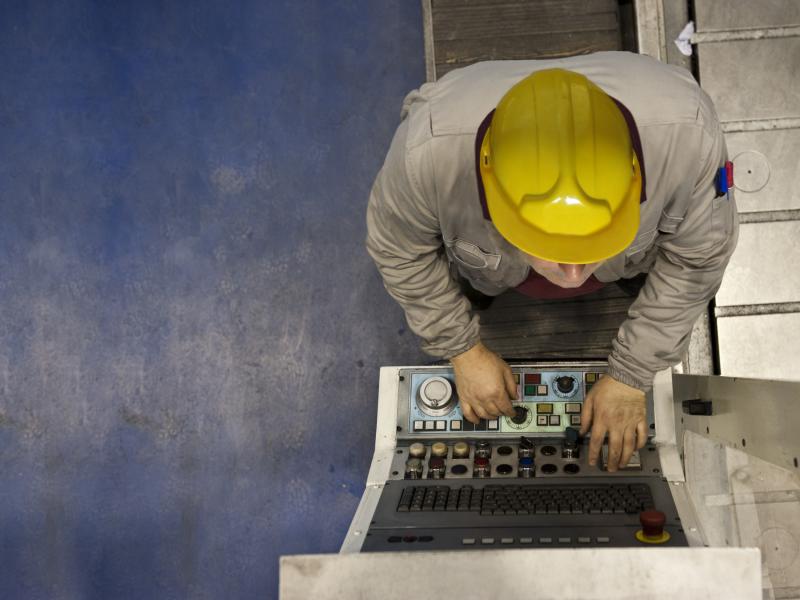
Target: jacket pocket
[[669, 223], [471, 255], [638, 248]]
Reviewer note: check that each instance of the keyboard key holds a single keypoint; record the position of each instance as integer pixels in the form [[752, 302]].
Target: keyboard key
[[487, 541], [506, 540], [545, 540], [468, 541]]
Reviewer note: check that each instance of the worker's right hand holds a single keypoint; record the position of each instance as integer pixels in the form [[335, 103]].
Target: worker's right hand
[[484, 383]]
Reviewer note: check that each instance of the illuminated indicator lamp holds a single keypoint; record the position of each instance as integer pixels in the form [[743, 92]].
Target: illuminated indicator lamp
[[530, 390], [533, 378], [544, 409]]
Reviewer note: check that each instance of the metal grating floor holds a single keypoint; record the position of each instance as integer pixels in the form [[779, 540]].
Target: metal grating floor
[[461, 32], [518, 327]]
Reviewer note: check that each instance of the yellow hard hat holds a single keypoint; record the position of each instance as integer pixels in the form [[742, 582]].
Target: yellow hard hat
[[561, 178]]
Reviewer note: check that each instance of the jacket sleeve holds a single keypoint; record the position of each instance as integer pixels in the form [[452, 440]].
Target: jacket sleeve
[[404, 240], [686, 274]]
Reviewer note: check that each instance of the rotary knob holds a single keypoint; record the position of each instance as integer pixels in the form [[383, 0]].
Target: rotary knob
[[435, 396], [520, 415], [565, 386]]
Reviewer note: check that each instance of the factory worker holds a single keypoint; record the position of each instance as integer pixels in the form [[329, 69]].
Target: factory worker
[[555, 178]]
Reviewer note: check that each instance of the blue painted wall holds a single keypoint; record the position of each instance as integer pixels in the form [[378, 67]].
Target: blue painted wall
[[190, 328]]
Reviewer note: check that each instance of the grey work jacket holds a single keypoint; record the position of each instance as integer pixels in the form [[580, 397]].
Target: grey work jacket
[[425, 213]]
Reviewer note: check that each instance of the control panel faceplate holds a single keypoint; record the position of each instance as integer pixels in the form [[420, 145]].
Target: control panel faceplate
[[548, 400]]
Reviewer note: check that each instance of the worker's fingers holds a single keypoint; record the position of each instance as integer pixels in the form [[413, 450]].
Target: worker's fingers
[[641, 434], [596, 442], [492, 409], [511, 385], [468, 413], [504, 406], [586, 414], [628, 446], [614, 449], [481, 412]]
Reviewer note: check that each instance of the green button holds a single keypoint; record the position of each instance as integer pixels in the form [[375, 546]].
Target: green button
[[530, 390]]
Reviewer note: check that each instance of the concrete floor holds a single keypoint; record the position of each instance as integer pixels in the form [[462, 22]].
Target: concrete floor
[[190, 328]]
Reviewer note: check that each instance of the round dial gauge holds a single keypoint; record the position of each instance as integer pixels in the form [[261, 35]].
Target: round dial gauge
[[522, 418], [565, 386]]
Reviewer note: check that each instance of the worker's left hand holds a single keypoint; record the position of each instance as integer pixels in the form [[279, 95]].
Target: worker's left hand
[[618, 410]]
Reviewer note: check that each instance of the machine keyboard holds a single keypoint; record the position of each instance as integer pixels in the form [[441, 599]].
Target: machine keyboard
[[529, 499]]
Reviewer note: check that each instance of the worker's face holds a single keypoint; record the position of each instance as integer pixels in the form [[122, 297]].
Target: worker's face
[[561, 274]]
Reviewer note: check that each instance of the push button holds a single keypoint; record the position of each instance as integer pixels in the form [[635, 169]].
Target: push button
[[541, 420], [468, 541], [555, 420]]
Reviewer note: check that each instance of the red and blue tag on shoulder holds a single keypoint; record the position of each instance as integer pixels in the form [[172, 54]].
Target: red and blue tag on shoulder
[[724, 181]]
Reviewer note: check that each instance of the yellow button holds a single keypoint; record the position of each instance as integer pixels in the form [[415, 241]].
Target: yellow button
[[516, 378], [544, 409], [590, 377]]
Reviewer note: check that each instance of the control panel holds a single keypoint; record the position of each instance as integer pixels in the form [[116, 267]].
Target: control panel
[[516, 481], [548, 400]]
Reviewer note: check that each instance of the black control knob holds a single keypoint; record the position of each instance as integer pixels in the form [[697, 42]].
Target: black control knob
[[565, 384], [570, 437], [571, 443], [520, 415]]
